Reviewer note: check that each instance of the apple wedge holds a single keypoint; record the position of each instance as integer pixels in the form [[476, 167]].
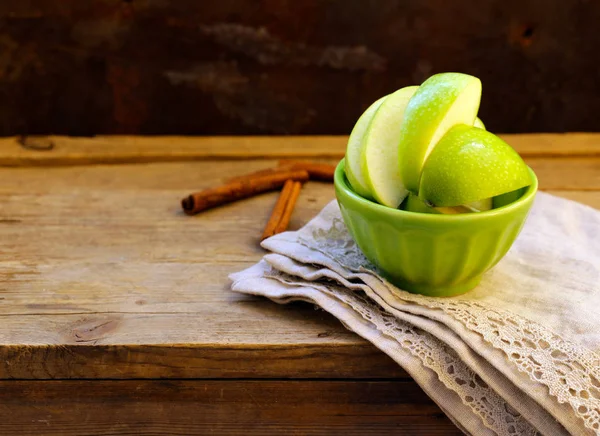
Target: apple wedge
[[441, 102], [481, 205], [414, 204], [479, 123], [507, 198], [470, 164], [354, 170], [380, 149]]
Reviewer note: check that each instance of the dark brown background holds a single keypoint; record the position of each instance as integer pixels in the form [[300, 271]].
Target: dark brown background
[[287, 66]]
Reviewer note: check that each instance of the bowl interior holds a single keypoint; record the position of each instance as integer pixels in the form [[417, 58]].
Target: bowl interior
[[525, 195]]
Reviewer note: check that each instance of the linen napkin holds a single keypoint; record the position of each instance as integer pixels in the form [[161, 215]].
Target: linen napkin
[[518, 355]]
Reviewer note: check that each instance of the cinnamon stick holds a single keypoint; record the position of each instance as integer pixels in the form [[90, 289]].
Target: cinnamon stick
[[279, 209], [199, 201], [316, 171], [289, 208], [258, 173]]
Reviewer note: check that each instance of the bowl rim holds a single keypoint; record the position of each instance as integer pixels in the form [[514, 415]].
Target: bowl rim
[[341, 183]]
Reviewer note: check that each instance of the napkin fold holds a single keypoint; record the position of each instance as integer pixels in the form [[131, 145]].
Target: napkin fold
[[518, 355]]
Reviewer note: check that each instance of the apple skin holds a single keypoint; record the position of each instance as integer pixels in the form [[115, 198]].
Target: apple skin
[[354, 148], [413, 203], [379, 157], [507, 198], [442, 101], [469, 164]]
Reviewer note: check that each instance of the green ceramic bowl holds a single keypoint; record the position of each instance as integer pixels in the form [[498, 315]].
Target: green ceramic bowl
[[431, 254]]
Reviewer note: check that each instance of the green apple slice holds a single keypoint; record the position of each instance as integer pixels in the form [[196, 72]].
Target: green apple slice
[[478, 123], [507, 198], [414, 204], [441, 102], [469, 164], [380, 149], [454, 210], [481, 205], [353, 167]]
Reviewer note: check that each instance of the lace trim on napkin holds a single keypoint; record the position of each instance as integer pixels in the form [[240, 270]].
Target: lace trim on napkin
[[570, 372], [494, 412]]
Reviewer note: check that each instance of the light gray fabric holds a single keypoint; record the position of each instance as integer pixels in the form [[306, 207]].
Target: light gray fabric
[[519, 353]]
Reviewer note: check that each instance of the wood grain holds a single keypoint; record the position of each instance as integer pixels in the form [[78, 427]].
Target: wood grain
[[114, 285], [102, 276], [328, 357], [136, 149], [62, 150], [203, 407]]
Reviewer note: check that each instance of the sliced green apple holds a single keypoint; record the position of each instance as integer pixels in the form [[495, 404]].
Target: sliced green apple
[[478, 123], [414, 204], [481, 205], [441, 102], [469, 164], [507, 198], [380, 149], [454, 210], [354, 170]]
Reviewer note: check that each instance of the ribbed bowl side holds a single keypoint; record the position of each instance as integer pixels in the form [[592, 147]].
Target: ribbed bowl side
[[428, 253], [436, 257]]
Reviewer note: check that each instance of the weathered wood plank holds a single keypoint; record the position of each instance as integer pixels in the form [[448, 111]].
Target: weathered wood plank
[[131, 149], [219, 407], [103, 276], [332, 355], [61, 150], [136, 181], [117, 265], [554, 144], [591, 198], [567, 174], [146, 268]]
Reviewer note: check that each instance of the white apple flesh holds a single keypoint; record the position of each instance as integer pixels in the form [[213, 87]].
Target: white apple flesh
[[478, 123], [380, 149], [354, 170]]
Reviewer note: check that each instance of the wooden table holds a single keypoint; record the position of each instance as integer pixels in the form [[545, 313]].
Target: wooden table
[[115, 308]]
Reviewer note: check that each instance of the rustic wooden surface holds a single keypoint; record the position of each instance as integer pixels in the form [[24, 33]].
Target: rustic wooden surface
[[271, 66], [102, 276], [64, 150], [201, 407]]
